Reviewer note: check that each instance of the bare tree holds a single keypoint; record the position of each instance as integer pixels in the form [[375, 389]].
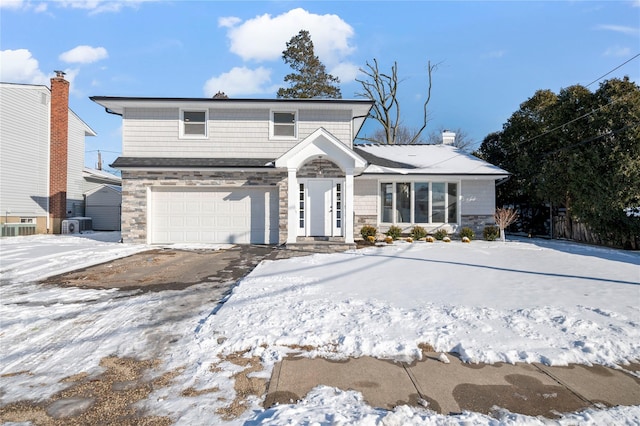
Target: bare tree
[[382, 88], [504, 218]]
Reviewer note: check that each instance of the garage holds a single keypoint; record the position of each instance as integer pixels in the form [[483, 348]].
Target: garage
[[213, 215]]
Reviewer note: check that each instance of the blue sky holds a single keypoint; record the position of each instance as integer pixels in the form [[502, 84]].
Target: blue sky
[[492, 55]]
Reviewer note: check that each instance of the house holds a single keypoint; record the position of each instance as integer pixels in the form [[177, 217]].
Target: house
[[279, 172], [102, 198], [41, 157]]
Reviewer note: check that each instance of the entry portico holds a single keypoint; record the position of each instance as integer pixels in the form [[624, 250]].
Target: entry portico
[[320, 171]]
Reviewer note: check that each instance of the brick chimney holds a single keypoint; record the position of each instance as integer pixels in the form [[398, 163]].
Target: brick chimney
[[58, 151]]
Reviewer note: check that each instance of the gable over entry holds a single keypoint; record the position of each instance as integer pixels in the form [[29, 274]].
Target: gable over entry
[[320, 206]]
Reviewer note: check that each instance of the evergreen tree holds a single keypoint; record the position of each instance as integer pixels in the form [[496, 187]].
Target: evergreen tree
[[310, 79]]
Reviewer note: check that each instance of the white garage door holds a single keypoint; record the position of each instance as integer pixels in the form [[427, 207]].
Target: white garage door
[[214, 215]]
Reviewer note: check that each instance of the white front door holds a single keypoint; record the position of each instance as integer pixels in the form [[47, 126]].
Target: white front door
[[320, 207]]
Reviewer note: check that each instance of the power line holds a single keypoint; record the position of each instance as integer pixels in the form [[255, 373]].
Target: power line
[[591, 139], [603, 76]]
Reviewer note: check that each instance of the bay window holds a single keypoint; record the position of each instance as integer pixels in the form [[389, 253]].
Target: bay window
[[419, 202]]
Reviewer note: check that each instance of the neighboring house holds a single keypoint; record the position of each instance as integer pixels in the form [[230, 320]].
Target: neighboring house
[[278, 172], [41, 156], [102, 199], [94, 178], [103, 205]]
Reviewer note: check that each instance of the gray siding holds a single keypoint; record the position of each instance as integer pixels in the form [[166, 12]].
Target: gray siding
[[103, 207], [24, 151], [75, 166], [232, 133], [478, 197]]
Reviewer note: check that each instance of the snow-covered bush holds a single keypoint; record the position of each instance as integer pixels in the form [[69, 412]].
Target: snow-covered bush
[[429, 239], [446, 240], [388, 240], [466, 240], [409, 239]]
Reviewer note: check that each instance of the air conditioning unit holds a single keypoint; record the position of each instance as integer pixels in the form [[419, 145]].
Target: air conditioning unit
[[70, 226], [86, 224]]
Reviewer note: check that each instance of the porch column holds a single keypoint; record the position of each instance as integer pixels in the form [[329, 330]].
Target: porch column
[[348, 206], [292, 222]]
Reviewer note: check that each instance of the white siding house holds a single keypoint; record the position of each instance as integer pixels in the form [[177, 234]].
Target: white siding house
[[25, 147], [282, 171]]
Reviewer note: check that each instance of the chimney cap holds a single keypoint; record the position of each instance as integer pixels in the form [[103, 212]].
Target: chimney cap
[[60, 74]]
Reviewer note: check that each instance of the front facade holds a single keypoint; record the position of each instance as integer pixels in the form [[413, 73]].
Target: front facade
[[41, 157], [266, 171], [237, 171]]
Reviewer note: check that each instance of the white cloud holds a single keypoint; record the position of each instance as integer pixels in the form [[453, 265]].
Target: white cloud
[[100, 6], [84, 54], [240, 81], [22, 5], [11, 4], [619, 29], [19, 66], [264, 37], [496, 53], [230, 21], [618, 51], [346, 72]]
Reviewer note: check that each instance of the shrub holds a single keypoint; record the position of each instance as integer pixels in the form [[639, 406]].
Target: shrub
[[409, 240], [388, 240], [429, 239], [467, 232], [446, 240], [491, 233], [418, 232], [394, 232], [466, 240], [368, 231], [440, 234], [371, 239]]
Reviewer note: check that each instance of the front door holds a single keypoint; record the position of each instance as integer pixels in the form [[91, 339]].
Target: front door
[[320, 207]]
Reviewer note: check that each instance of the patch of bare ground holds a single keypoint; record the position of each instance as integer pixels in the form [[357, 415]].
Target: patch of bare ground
[[244, 385], [104, 399]]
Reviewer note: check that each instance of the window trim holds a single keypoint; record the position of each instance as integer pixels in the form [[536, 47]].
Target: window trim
[[183, 135], [272, 124], [394, 185]]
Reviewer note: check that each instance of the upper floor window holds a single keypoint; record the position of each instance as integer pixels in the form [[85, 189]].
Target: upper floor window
[[193, 123], [283, 124]]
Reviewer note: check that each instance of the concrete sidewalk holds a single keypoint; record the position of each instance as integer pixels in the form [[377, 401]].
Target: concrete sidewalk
[[531, 389]]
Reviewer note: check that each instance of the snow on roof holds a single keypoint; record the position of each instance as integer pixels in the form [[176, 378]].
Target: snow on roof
[[100, 174], [425, 159]]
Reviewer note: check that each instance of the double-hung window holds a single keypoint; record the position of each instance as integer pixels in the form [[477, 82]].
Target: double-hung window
[[193, 123], [419, 202], [283, 125]]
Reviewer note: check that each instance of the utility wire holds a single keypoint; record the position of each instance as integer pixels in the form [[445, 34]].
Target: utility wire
[[619, 66], [591, 139]]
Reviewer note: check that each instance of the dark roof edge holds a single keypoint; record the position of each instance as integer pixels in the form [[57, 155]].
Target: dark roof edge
[[191, 163], [230, 100]]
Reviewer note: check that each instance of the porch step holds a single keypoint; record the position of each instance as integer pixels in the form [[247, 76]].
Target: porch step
[[320, 245]]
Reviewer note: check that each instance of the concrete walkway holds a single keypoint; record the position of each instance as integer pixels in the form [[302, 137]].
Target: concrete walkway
[[531, 389]]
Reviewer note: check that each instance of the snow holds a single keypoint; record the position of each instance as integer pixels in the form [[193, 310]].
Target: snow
[[429, 159], [521, 301]]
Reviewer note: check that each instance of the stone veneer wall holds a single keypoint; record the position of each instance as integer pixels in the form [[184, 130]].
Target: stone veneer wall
[[135, 184], [477, 222], [320, 168]]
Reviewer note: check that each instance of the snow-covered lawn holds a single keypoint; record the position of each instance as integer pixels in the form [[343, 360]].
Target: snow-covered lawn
[[521, 301]]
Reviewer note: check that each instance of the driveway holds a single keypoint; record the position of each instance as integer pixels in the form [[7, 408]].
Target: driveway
[[171, 269]]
